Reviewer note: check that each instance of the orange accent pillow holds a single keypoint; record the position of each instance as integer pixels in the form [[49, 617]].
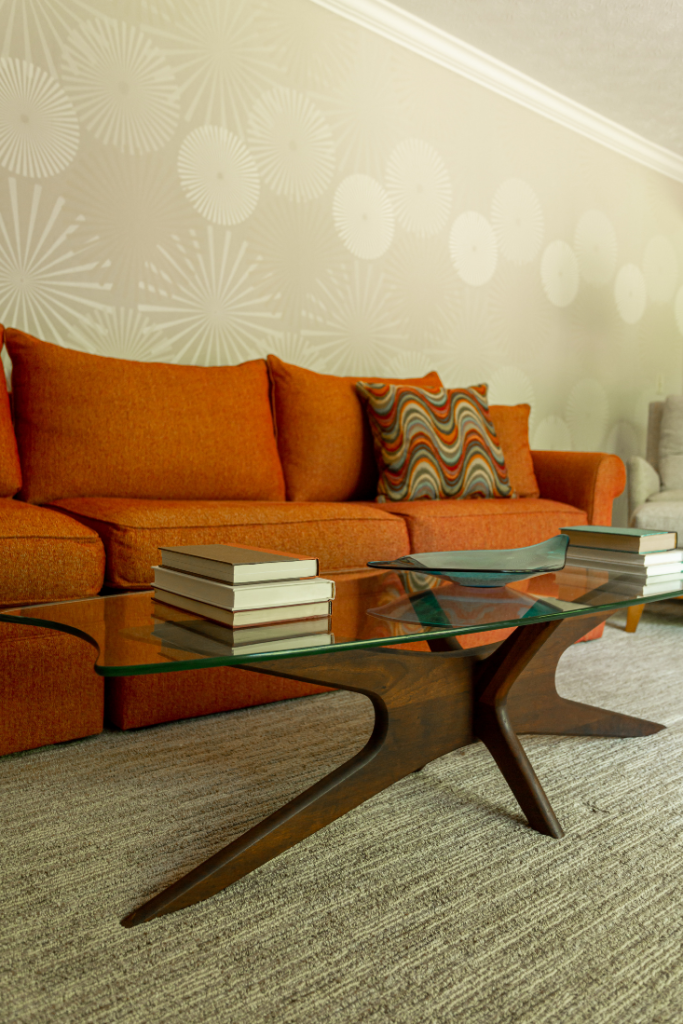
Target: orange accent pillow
[[10, 467], [89, 426], [512, 426], [323, 436]]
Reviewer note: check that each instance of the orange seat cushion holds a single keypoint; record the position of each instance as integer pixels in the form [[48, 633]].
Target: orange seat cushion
[[89, 425], [10, 467], [323, 436], [136, 701], [340, 535], [46, 555], [457, 525], [512, 427]]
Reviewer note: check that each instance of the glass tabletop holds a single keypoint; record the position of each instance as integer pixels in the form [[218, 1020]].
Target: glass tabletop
[[137, 635]]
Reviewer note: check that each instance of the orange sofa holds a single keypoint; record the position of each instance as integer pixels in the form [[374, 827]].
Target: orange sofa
[[107, 459]]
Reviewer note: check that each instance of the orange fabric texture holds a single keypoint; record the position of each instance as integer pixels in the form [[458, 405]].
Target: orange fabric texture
[[46, 555], [135, 701], [587, 480], [512, 427], [88, 425], [340, 535], [10, 467], [323, 437], [49, 691], [493, 523]]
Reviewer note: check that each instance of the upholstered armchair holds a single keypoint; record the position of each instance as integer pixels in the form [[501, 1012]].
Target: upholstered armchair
[[655, 486], [655, 483]]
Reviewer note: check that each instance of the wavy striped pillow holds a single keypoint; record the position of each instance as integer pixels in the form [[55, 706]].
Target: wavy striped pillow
[[434, 443]]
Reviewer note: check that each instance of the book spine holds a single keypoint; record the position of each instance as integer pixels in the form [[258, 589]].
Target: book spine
[[643, 572]]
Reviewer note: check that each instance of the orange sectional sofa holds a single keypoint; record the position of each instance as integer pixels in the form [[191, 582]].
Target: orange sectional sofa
[[105, 460]]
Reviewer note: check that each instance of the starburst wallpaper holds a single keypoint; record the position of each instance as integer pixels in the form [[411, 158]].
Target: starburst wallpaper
[[209, 181]]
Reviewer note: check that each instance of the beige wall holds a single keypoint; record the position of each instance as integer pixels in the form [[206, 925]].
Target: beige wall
[[210, 181]]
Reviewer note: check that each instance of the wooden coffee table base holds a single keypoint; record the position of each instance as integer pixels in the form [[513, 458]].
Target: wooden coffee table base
[[426, 705]]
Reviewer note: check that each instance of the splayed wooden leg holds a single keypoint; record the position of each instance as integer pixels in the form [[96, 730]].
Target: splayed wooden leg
[[534, 705], [423, 709], [497, 676]]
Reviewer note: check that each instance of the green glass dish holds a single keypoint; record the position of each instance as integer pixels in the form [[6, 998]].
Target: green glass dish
[[485, 568]]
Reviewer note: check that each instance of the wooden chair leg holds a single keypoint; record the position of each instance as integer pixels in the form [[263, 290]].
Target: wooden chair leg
[[633, 617]]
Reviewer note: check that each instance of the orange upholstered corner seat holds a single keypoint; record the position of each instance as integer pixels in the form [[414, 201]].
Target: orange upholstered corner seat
[[49, 691], [46, 555], [129, 456]]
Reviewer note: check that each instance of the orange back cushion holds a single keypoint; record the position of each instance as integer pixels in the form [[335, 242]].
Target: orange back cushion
[[92, 426], [512, 426], [323, 436], [10, 468]]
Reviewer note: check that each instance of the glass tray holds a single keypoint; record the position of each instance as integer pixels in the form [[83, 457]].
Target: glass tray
[[485, 568]]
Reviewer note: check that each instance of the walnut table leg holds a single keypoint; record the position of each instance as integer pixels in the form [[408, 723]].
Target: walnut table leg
[[423, 709], [534, 705], [425, 705]]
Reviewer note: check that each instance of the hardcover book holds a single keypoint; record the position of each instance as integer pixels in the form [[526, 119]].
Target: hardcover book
[[244, 595], [233, 563], [174, 635], [247, 617], [245, 635], [625, 558], [671, 586], [620, 538], [643, 572]]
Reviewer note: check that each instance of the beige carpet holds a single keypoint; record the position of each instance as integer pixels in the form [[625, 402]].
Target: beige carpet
[[433, 902]]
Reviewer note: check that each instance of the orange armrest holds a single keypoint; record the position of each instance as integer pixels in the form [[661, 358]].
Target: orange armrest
[[587, 480]]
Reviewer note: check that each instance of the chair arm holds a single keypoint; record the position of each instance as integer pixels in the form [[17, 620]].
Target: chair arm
[[587, 480], [643, 482]]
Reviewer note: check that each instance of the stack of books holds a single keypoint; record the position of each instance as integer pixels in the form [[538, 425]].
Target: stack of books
[[240, 600], [647, 561]]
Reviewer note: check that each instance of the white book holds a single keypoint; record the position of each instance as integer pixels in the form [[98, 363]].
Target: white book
[[234, 563], [630, 586], [246, 595], [624, 558], [174, 635], [245, 635], [634, 580], [628, 578], [645, 589], [643, 572], [248, 617]]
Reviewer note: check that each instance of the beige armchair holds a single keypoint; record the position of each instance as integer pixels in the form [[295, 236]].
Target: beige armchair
[[655, 483]]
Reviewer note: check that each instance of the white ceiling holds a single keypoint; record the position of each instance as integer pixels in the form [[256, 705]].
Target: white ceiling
[[620, 58]]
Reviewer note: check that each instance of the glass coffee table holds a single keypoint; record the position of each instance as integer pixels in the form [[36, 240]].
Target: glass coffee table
[[409, 643]]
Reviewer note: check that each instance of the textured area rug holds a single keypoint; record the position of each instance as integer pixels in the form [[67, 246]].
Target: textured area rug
[[433, 902]]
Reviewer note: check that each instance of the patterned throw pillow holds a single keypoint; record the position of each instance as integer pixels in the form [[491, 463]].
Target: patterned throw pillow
[[434, 443]]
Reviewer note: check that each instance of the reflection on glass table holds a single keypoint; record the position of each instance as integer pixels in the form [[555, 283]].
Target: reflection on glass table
[[372, 608]]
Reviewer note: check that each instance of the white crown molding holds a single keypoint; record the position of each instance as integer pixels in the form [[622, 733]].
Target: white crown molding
[[411, 32]]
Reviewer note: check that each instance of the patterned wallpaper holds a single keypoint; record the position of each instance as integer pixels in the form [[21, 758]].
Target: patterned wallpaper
[[208, 181]]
